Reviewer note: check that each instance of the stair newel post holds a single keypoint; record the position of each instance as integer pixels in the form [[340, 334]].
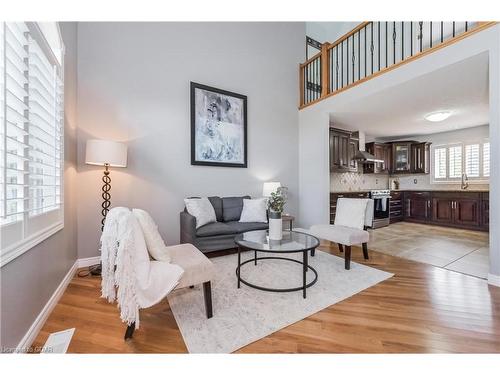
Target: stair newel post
[[325, 69]]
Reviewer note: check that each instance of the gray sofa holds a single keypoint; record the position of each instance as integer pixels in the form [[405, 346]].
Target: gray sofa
[[219, 235]]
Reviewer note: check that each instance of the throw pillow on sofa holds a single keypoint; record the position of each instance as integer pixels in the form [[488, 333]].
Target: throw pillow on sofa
[[154, 241], [254, 211], [201, 209]]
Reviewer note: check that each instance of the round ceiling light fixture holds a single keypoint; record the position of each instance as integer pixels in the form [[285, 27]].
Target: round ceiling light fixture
[[438, 116]]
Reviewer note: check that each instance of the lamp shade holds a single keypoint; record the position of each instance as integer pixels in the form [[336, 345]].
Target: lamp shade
[[101, 152], [270, 187]]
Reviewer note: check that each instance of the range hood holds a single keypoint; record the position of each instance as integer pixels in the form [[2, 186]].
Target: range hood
[[366, 158]]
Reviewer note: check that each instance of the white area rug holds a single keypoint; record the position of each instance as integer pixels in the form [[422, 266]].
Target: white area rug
[[244, 315]]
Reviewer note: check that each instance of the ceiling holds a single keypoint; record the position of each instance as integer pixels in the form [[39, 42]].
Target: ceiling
[[399, 111]]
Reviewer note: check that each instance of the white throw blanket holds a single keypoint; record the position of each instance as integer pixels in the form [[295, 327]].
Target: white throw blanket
[[140, 282]]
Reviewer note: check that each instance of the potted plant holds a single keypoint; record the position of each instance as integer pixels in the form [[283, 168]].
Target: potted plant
[[275, 205]]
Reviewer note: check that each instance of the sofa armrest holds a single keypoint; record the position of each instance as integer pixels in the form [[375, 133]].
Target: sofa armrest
[[188, 227]]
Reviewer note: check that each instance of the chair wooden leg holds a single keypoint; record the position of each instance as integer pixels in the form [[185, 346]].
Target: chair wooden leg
[[365, 250], [207, 295], [341, 249], [130, 331], [347, 257]]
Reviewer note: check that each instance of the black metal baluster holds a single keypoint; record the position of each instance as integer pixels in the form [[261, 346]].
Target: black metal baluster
[[420, 34], [466, 26], [402, 41], [430, 34], [347, 60], [330, 64], [453, 29], [342, 64], [371, 45], [386, 44], [359, 54], [353, 59], [365, 51], [337, 66], [441, 31], [378, 50], [394, 42], [411, 38]]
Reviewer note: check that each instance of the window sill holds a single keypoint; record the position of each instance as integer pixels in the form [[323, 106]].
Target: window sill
[[23, 246]]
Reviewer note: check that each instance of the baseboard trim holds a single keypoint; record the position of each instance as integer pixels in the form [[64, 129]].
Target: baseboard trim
[[494, 280], [25, 343], [86, 262]]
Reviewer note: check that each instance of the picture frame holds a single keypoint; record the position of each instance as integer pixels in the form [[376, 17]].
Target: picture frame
[[218, 127]]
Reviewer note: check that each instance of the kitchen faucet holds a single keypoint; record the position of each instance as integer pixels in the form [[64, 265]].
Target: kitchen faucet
[[465, 181]]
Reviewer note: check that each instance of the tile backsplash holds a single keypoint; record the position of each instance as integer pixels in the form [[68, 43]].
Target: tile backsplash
[[350, 181], [423, 182]]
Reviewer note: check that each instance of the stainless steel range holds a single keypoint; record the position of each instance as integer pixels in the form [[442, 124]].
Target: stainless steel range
[[381, 204]]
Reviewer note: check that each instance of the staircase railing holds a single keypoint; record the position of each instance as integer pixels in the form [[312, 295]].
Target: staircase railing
[[373, 48]]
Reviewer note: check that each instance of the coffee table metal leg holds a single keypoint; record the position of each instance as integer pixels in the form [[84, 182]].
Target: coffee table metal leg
[[239, 266], [304, 271], [255, 257]]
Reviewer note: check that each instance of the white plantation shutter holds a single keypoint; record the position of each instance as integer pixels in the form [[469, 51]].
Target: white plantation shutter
[[455, 162], [486, 159], [472, 160], [440, 162], [31, 94]]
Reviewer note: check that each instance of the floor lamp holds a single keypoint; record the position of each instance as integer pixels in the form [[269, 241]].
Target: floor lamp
[[106, 154]]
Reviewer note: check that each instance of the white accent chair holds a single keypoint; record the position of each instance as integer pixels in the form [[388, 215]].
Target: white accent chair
[[352, 217]]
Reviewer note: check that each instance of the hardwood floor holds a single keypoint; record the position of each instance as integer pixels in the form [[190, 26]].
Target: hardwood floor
[[422, 309]]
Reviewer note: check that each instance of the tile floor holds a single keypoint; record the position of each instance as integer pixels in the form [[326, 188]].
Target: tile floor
[[458, 250]]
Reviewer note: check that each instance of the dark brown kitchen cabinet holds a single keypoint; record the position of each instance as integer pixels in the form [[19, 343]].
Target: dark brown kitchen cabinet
[[353, 148], [458, 209], [420, 157], [417, 206], [340, 149], [485, 211], [381, 151], [401, 157], [396, 207]]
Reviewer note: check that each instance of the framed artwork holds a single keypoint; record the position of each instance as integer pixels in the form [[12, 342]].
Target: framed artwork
[[218, 127]]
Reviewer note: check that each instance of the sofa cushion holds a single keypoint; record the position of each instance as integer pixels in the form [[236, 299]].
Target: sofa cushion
[[214, 229], [238, 227], [217, 203], [232, 207], [201, 209]]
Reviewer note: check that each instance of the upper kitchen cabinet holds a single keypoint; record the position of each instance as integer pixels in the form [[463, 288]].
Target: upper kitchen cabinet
[[420, 157], [401, 157], [381, 151], [343, 147], [410, 157]]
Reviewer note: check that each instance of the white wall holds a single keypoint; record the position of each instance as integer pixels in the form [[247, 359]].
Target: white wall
[[314, 121], [329, 31], [134, 87]]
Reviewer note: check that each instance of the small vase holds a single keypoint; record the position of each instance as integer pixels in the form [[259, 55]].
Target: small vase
[[275, 226]]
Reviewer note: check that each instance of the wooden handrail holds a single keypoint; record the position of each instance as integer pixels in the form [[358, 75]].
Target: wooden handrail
[[321, 86], [350, 33]]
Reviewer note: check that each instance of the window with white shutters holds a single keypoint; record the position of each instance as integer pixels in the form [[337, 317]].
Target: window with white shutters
[[486, 159], [31, 149], [440, 162], [455, 162], [472, 160], [451, 161]]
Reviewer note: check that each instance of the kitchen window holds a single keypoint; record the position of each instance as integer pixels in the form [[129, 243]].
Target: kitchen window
[[31, 135], [451, 161]]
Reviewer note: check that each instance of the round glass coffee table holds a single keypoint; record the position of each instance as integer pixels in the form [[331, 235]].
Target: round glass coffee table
[[293, 242]]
